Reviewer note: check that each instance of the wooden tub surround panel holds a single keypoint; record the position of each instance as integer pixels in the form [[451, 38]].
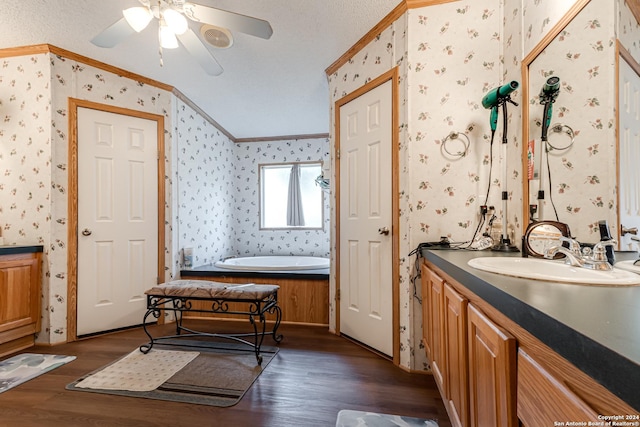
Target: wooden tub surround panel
[[302, 301]]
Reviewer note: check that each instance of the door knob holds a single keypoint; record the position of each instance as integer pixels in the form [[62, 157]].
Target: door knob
[[383, 230], [86, 232], [624, 230]]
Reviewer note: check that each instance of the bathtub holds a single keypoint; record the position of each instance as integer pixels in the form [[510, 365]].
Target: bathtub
[[274, 263]]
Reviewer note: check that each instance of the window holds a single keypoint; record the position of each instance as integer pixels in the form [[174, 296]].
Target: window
[[276, 205]]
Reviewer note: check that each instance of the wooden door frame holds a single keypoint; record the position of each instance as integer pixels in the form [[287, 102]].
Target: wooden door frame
[[625, 55], [72, 221], [391, 75]]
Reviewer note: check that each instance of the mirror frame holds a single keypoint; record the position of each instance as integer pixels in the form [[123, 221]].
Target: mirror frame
[[526, 62], [527, 249]]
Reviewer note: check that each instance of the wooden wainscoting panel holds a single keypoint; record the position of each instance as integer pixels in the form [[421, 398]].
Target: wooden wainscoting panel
[[301, 301]]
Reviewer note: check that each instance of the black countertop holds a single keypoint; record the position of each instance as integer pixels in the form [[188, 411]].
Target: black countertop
[[597, 328], [213, 271], [16, 249]]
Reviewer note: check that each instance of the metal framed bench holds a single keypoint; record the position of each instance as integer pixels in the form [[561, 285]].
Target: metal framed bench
[[177, 296]]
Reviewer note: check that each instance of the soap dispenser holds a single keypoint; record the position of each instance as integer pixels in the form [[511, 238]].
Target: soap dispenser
[[605, 234]]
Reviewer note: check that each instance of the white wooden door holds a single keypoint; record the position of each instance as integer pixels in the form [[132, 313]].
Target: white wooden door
[[117, 219], [629, 86], [366, 285]]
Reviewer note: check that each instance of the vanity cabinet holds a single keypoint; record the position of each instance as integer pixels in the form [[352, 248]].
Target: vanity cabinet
[[492, 372], [537, 387], [472, 359], [433, 303], [492, 375], [19, 301], [455, 345]]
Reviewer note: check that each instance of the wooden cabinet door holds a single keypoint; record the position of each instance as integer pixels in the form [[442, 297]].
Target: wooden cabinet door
[[19, 292], [455, 326], [436, 328], [492, 373], [537, 388]]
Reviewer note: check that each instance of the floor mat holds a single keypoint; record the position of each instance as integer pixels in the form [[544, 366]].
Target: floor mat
[[348, 418], [219, 376], [26, 366]]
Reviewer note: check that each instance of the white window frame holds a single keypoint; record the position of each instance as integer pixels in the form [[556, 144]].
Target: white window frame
[[261, 210]]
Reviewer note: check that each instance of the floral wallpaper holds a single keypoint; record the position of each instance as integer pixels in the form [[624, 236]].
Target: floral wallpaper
[[512, 70], [454, 60], [26, 158], [34, 146], [204, 184], [628, 29], [583, 176], [218, 199], [538, 17], [248, 238]]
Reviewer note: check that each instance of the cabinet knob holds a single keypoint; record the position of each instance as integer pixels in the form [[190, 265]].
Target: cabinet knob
[[86, 232]]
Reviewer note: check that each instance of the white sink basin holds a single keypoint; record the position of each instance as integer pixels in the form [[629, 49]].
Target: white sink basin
[[554, 271], [628, 266]]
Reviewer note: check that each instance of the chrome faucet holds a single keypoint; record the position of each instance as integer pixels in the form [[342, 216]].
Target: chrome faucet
[[595, 259], [598, 259], [573, 256], [637, 240]]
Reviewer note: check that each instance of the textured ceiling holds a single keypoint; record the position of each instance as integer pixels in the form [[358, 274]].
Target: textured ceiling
[[272, 87]]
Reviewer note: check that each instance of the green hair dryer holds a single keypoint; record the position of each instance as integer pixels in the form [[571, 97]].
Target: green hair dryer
[[548, 96], [495, 97]]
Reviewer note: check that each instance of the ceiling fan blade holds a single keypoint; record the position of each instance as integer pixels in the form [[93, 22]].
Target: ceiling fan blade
[[192, 43], [113, 34], [233, 21]]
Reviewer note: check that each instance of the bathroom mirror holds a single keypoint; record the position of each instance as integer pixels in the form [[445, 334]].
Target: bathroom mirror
[[578, 173], [541, 235]]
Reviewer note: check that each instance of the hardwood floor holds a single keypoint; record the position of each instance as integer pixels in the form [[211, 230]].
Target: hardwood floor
[[315, 375]]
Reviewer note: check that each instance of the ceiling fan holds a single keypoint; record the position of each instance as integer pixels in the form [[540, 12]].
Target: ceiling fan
[[173, 26]]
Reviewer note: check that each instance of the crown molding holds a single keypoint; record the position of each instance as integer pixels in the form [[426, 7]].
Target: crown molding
[[107, 67], [51, 49], [634, 5], [389, 19], [283, 137]]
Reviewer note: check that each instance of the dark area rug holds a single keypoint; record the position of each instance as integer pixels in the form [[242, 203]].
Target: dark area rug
[[219, 376]]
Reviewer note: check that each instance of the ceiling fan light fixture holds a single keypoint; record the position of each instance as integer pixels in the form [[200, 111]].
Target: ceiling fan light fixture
[[138, 17], [167, 37], [176, 21], [218, 37]]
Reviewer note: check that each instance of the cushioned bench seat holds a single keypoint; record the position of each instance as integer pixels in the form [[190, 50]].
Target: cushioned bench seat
[[177, 295], [211, 290]]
